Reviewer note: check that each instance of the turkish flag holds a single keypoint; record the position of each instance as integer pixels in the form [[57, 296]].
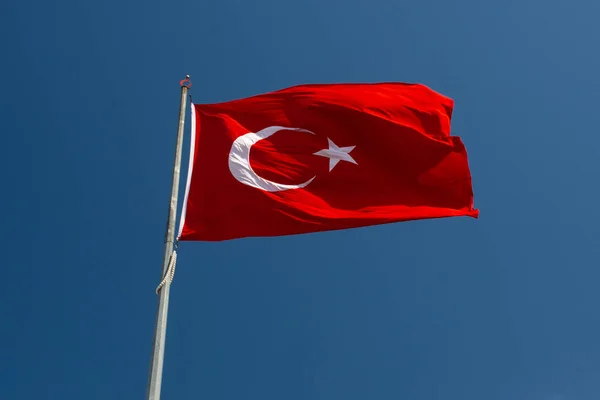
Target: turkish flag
[[323, 157]]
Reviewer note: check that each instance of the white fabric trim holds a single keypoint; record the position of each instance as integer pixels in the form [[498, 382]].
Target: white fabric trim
[[189, 171]]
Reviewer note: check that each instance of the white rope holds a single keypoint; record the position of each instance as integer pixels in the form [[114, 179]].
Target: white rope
[[170, 274]]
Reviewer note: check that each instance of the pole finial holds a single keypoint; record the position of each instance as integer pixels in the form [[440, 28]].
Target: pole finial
[[186, 82]]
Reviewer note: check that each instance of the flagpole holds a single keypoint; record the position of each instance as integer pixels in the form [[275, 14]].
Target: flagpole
[[160, 329]]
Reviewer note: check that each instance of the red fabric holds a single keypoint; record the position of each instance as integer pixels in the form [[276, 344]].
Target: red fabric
[[408, 166]]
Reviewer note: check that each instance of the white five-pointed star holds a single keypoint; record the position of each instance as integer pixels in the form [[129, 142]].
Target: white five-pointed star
[[336, 154]]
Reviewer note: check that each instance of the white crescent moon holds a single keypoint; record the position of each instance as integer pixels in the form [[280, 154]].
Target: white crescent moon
[[239, 161]]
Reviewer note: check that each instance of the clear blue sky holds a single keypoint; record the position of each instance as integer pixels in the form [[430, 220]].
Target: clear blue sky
[[504, 307]]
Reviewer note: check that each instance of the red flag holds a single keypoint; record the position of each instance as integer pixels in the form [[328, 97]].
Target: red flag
[[323, 157]]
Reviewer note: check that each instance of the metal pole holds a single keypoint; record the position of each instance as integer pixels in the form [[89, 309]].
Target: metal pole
[[160, 329]]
